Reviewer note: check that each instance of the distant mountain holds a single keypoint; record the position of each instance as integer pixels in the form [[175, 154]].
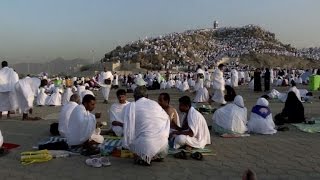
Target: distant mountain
[[56, 66]]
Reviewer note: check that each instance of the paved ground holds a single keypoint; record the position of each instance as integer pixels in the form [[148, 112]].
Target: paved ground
[[286, 155]]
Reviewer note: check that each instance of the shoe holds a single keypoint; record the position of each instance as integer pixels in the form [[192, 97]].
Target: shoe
[[105, 161], [94, 162]]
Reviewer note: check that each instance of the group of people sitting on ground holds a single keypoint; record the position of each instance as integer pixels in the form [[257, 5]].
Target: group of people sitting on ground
[[147, 127], [232, 118]]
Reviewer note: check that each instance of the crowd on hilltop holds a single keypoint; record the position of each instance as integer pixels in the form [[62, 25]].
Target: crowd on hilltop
[[207, 46]]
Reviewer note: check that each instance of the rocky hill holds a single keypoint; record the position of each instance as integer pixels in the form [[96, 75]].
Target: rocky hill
[[206, 47]]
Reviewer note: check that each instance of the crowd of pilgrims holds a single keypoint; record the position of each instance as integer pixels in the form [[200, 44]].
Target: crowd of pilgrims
[[217, 43], [147, 126]]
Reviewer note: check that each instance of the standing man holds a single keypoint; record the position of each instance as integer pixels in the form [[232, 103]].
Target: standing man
[[234, 78], [257, 80], [26, 90], [105, 81], [8, 79], [115, 80], [267, 77], [218, 85]]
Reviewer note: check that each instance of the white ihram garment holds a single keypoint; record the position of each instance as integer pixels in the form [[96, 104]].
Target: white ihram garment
[[66, 96], [105, 88], [26, 90], [117, 111], [81, 126], [218, 87], [42, 97], [55, 98], [8, 79], [64, 117], [234, 78], [199, 127], [232, 117], [146, 128], [260, 125]]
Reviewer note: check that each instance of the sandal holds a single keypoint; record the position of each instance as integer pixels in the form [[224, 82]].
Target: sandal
[[197, 156], [141, 162], [181, 155]]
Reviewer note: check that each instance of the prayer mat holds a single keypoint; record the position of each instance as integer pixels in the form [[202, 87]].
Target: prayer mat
[[109, 145], [53, 139], [234, 135], [204, 151], [9, 146], [309, 128]]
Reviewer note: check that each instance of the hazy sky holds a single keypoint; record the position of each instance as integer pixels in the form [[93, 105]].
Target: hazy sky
[[45, 29]]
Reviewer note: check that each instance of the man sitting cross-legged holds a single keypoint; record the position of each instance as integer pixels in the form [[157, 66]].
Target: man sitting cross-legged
[[164, 100], [117, 112], [65, 113], [194, 131], [146, 128], [82, 123]]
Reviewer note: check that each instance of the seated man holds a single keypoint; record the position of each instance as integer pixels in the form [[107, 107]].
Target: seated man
[[164, 100], [231, 119], [194, 131], [117, 112], [261, 121], [65, 113], [146, 128], [82, 124]]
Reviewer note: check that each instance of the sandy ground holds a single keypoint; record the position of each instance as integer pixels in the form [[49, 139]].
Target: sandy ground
[[286, 155]]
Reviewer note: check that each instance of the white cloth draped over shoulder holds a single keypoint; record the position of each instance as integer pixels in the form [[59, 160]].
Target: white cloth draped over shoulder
[[66, 95], [26, 90], [232, 117], [218, 87], [146, 128], [81, 126], [199, 127], [218, 80], [259, 124], [8, 79], [234, 78], [55, 98], [202, 95], [64, 117], [117, 112], [103, 76], [184, 86], [42, 97], [80, 88]]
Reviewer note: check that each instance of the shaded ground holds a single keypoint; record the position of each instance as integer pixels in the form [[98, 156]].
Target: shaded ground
[[286, 155]]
